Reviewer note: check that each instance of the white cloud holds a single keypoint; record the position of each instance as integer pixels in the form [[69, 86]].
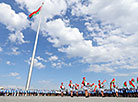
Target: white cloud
[[8, 62], [14, 51], [1, 49], [53, 58], [57, 65], [12, 20], [60, 34], [41, 59], [113, 45], [18, 38], [37, 62], [99, 68], [48, 53], [13, 74], [122, 13], [116, 36], [76, 45]]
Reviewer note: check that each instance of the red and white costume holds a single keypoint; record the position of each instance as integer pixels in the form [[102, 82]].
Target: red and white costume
[[84, 83], [77, 87], [115, 88], [71, 86], [62, 87], [101, 86]]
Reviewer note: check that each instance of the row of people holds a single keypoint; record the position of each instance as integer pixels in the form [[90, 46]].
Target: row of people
[[75, 92], [87, 87], [16, 92]]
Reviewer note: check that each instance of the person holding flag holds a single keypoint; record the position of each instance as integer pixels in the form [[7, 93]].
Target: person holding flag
[[90, 88], [71, 88], [116, 89], [124, 89], [84, 85], [131, 83], [125, 84], [62, 89], [137, 82], [101, 87], [95, 88], [111, 84], [77, 88]]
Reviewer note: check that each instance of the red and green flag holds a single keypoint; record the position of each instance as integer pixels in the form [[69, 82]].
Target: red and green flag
[[36, 12], [95, 88], [103, 82], [132, 80], [137, 79], [131, 84], [92, 84], [113, 81], [125, 84]]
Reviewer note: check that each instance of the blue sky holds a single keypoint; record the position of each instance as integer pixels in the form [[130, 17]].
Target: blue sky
[[92, 38]]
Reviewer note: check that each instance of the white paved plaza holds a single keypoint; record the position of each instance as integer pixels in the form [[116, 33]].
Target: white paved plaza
[[64, 99]]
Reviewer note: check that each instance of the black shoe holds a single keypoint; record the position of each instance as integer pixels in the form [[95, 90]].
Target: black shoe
[[103, 96], [87, 96]]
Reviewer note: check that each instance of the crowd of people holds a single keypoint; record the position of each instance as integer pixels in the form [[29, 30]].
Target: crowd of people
[[21, 92], [91, 89], [84, 89]]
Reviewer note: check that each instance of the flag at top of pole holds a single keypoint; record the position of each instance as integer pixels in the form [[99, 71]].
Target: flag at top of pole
[[36, 12], [35, 45]]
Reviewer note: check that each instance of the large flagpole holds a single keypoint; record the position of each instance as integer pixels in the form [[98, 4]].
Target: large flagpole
[[33, 55]]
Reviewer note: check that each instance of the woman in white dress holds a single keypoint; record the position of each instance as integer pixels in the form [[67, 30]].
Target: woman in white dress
[[62, 89], [101, 88], [71, 88], [84, 84]]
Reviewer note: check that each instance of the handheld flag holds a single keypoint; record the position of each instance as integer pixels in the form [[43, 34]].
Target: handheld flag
[[95, 88], [131, 84], [103, 82], [113, 81], [125, 84], [132, 80], [92, 84]]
